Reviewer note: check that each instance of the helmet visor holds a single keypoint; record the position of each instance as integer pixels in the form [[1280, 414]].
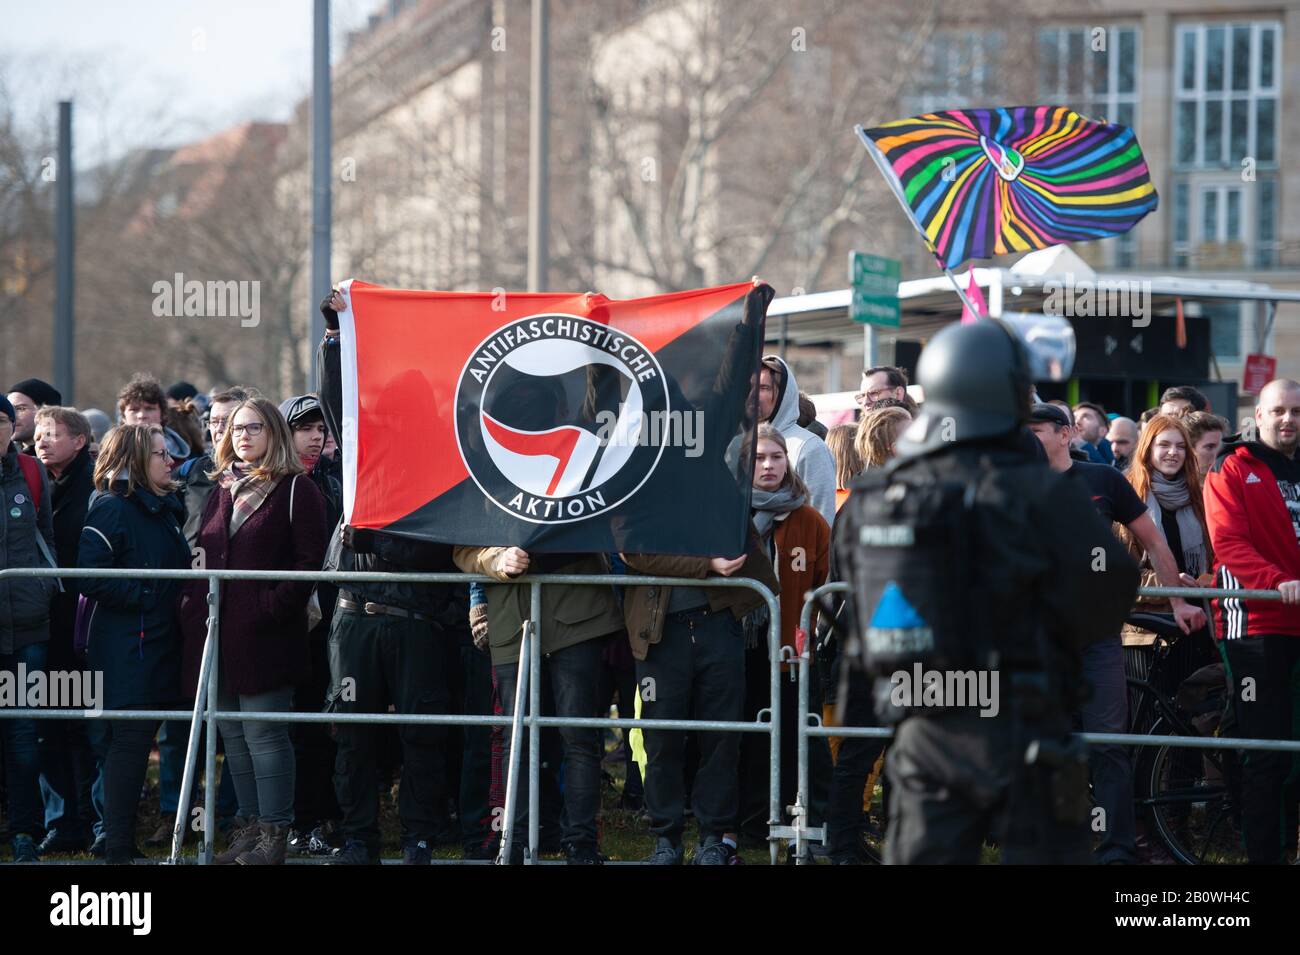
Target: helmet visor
[[1049, 340]]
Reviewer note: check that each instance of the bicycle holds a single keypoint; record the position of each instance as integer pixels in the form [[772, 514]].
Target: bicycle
[[1191, 796]]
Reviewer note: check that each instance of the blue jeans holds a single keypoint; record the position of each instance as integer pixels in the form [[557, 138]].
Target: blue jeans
[[68, 770], [22, 753], [1106, 711], [173, 738], [570, 675]]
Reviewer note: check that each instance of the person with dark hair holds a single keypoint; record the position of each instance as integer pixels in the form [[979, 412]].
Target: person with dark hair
[[778, 403], [1183, 398], [26, 540], [808, 416], [1106, 711], [383, 641], [1091, 425], [316, 809], [67, 759], [184, 419], [1206, 431], [142, 401], [26, 397], [265, 514], [689, 642], [180, 392], [882, 382], [134, 639], [796, 539]]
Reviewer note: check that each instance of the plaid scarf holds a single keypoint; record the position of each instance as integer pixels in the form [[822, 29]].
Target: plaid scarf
[[247, 492]]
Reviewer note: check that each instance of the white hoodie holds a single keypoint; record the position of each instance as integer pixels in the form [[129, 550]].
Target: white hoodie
[[812, 460]]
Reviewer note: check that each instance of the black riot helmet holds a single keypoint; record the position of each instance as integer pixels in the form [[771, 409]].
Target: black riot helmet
[[977, 384]]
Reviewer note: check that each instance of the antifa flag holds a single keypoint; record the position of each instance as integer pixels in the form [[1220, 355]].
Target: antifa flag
[[551, 421]]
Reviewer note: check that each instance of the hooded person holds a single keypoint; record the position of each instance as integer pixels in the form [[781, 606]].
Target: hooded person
[[26, 397], [811, 458]]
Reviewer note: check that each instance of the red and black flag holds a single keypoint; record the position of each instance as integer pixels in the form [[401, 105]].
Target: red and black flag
[[552, 421]]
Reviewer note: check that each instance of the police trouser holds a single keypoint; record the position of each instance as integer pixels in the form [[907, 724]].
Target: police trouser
[[374, 661], [958, 778]]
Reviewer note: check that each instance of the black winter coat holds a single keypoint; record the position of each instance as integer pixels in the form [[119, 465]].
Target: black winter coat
[[70, 494], [135, 636], [24, 602]]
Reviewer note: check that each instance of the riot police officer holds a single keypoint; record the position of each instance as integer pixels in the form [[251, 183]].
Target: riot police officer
[[978, 574]]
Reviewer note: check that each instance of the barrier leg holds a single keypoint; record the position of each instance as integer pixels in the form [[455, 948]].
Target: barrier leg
[[192, 748], [534, 728], [210, 756], [774, 728], [516, 733]]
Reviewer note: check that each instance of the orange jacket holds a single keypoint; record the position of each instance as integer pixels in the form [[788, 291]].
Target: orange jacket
[[802, 560]]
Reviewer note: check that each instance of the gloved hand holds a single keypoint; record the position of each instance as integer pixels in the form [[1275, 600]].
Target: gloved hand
[[478, 625], [329, 307]]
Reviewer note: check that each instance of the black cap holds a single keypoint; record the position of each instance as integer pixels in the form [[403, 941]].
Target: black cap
[[301, 408], [181, 390], [1052, 414], [41, 392], [8, 410]]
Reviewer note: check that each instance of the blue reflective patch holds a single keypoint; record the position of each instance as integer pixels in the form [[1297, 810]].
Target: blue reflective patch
[[894, 612]]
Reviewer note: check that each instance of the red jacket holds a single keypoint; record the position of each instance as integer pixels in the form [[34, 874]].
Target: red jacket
[[1254, 543]]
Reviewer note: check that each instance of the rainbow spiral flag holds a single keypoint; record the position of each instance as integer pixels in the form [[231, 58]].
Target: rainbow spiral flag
[[984, 182]]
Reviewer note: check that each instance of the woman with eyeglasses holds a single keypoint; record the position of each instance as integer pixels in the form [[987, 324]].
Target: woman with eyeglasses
[[134, 636], [265, 514]]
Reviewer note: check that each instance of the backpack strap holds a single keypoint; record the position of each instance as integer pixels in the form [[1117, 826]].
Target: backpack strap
[[32, 474]]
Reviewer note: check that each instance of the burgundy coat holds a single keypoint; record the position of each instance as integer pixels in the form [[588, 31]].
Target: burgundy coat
[[263, 635]]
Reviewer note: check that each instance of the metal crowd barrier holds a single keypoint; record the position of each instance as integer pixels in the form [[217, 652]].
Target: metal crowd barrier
[[810, 724], [768, 720]]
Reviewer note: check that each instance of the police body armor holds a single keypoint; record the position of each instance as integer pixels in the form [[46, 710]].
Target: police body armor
[[940, 553]]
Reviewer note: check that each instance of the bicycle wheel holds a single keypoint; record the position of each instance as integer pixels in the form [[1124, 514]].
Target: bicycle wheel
[[871, 840], [1191, 800]]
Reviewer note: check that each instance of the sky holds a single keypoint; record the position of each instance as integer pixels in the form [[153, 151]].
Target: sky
[[162, 72]]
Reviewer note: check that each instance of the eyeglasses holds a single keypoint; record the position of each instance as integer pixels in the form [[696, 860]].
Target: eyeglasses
[[252, 430], [162, 454]]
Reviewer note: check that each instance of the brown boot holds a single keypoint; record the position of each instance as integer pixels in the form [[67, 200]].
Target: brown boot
[[162, 836], [243, 836], [270, 846]]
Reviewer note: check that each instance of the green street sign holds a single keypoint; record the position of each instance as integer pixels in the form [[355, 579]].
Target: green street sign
[[875, 289]]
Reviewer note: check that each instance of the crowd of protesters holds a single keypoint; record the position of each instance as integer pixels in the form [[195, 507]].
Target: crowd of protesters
[[232, 479]]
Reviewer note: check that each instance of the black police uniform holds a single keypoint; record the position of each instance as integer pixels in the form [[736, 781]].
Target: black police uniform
[[1035, 576]]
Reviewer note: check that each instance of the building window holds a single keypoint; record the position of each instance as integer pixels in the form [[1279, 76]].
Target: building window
[[958, 70], [1226, 95], [1094, 71], [1223, 223]]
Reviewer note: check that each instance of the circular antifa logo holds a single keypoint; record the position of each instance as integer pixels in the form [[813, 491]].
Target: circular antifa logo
[[553, 417]]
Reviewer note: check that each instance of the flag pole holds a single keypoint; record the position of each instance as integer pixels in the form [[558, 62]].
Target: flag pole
[[896, 187]]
